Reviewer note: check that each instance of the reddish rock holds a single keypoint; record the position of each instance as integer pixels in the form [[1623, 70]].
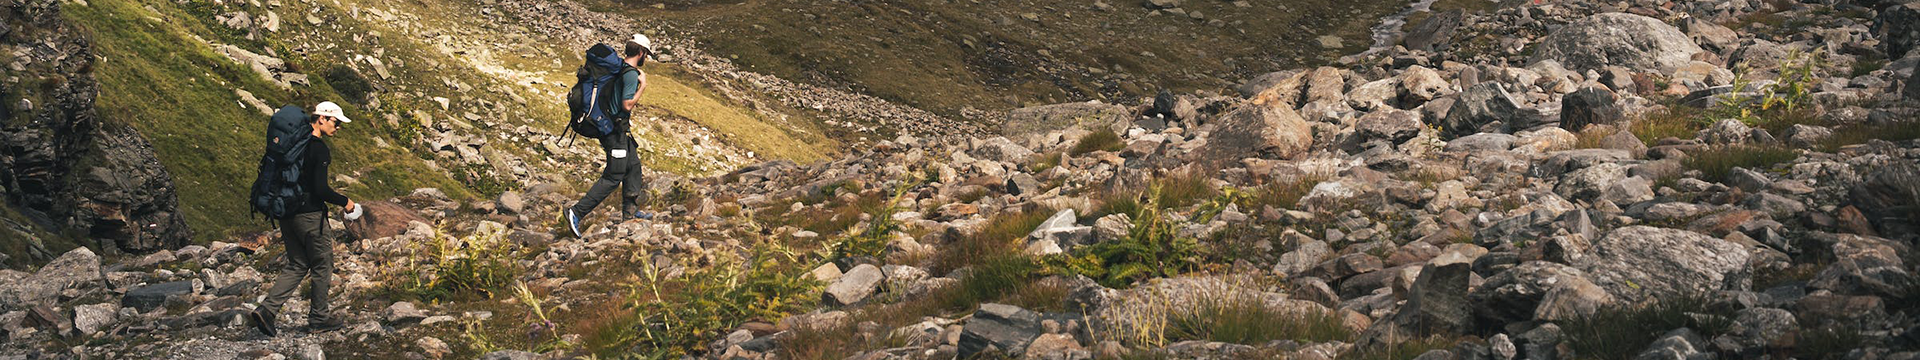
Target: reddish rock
[[382, 219]]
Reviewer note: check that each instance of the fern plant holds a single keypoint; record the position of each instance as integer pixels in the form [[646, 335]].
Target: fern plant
[[1153, 248], [1799, 76], [770, 282], [871, 242]]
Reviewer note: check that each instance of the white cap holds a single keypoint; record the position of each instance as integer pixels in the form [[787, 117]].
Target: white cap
[[330, 109], [643, 41]]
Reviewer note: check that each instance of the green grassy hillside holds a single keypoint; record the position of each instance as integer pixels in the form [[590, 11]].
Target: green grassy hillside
[[162, 74], [159, 78]]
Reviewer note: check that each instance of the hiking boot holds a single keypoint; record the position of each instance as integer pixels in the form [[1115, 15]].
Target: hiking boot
[[643, 215], [573, 222], [331, 324], [263, 319]]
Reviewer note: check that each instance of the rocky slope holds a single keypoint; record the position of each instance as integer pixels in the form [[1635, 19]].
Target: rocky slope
[[1645, 179], [63, 166]]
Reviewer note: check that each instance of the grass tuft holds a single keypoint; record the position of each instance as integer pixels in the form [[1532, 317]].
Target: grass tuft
[[1100, 140], [1850, 135], [1283, 194], [1000, 236], [1827, 342], [1715, 163], [1246, 321], [1620, 332], [1400, 350], [1675, 121]]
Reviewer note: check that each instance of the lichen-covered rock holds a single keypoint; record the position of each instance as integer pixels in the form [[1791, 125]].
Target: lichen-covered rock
[[1633, 41], [75, 269], [1638, 263]]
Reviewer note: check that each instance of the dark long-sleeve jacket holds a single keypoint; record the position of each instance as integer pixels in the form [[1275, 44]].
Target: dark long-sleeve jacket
[[314, 179]]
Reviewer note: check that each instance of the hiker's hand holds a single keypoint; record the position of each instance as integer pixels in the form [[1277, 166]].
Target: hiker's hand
[[350, 205]]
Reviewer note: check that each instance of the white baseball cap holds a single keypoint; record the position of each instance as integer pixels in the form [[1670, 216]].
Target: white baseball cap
[[330, 109], [643, 41]]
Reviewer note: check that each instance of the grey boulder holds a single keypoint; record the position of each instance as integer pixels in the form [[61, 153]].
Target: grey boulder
[[1638, 263], [1632, 41]]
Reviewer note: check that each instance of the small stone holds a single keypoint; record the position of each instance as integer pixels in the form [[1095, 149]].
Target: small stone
[[855, 286], [402, 313], [432, 347]]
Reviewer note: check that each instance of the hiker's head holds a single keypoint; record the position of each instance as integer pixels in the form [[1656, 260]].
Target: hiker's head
[[638, 47], [326, 118]]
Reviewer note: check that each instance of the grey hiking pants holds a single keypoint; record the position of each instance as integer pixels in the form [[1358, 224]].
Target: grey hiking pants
[[309, 257], [622, 172]]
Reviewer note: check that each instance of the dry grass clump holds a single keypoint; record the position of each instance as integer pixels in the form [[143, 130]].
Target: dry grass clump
[[1219, 308], [1676, 121]]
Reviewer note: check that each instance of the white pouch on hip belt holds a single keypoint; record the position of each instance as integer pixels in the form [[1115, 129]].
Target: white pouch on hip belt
[[620, 154], [355, 214]]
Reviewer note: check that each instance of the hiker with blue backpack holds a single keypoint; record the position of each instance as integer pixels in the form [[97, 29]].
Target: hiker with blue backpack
[[601, 101], [292, 190]]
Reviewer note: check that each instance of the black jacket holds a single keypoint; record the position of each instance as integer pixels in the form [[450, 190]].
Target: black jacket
[[314, 178]]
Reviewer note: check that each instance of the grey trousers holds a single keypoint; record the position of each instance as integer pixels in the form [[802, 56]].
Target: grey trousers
[[623, 173], [309, 256]]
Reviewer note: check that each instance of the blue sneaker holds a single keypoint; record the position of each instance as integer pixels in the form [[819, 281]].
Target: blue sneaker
[[573, 222], [644, 215]]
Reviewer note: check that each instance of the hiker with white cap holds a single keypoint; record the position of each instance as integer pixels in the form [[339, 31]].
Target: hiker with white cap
[[302, 218], [602, 101]]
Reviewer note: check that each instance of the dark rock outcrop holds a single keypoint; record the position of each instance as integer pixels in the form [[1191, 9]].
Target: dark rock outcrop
[[1486, 107], [61, 163], [147, 298], [1898, 27], [1888, 195], [1432, 33], [1590, 106]]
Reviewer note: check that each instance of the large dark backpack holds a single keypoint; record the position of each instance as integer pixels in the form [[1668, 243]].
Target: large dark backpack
[[594, 100], [277, 191]]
